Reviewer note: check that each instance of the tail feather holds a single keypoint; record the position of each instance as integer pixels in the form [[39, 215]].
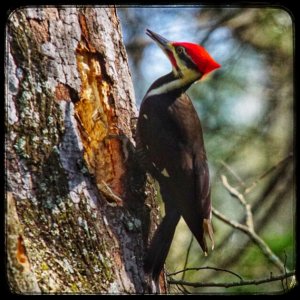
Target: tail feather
[[202, 230], [160, 244]]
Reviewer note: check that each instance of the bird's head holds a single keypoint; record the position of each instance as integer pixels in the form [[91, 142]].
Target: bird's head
[[188, 60]]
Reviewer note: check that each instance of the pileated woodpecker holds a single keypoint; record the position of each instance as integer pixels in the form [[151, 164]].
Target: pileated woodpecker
[[170, 146]]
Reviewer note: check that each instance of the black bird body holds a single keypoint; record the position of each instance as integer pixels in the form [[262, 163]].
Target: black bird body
[[170, 143], [170, 146]]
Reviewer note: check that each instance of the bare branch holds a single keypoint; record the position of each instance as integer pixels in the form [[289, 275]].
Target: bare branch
[[206, 268], [232, 223], [283, 173], [267, 251], [249, 228], [230, 170], [232, 284], [235, 193], [182, 289], [254, 237]]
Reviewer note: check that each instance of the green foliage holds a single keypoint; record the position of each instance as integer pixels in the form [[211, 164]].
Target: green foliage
[[283, 246]]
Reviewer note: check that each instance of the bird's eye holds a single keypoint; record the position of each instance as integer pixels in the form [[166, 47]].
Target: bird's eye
[[179, 50]]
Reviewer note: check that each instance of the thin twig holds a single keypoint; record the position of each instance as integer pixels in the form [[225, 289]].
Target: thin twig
[[206, 268], [254, 237], [182, 289], [249, 230], [232, 223], [263, 220], [187, 256], [231, 284], [235, 193], [273, 168], [236, 176]]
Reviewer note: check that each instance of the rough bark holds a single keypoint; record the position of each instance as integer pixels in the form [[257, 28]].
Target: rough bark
[[79, 210]]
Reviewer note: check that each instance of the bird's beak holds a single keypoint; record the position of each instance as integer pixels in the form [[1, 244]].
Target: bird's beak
[[167, 48], [163, 43]]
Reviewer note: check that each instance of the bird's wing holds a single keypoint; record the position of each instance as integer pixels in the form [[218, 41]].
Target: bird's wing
[[203, 199], [157, 139], [202, 187], [193, 157]]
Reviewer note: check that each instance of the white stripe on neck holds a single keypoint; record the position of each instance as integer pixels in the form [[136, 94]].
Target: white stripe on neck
[[189, 76]]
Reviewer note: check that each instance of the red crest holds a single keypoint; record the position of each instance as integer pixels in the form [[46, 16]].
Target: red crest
[[200, 57]]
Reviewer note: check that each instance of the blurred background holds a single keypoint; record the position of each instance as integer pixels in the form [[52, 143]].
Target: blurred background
[[246, 109]]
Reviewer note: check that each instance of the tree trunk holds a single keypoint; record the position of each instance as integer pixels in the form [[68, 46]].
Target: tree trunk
[[79, 210]]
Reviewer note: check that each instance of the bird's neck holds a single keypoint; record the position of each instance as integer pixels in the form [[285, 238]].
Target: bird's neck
[[173, 83]]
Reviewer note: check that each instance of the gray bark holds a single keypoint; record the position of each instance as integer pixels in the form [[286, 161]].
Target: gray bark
[[79, 211]]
